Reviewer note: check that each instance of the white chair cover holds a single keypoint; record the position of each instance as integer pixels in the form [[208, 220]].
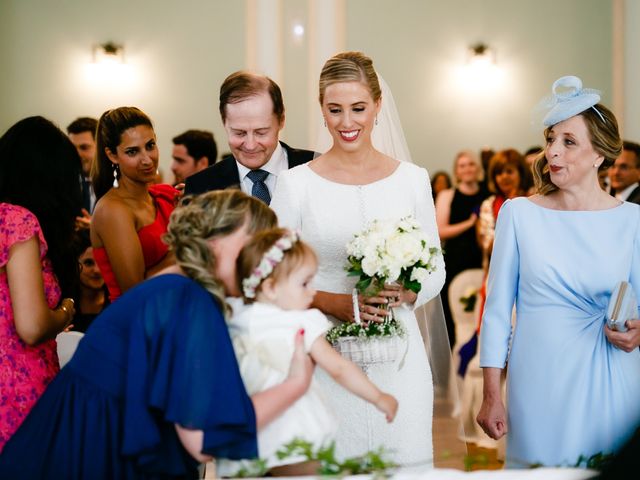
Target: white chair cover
[[471, 385], [67, 344]]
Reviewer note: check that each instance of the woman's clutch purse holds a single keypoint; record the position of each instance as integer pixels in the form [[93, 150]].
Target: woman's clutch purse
[[623, 306]]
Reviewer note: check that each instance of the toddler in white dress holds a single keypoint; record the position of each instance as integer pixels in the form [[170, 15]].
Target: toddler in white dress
[[275, 270]]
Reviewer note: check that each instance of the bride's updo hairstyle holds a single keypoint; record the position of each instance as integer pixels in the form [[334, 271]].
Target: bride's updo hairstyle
[[350, 67], [249, 262], [199, 219], [604, 136]]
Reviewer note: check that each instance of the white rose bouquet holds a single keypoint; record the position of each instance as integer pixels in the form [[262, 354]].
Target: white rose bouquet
[[391, 251], [386, 252]]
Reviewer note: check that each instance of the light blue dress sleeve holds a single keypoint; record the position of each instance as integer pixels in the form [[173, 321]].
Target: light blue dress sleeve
[[634, 277], [504, 272]]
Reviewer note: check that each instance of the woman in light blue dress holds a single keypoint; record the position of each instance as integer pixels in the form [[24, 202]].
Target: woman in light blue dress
[[573, 384]]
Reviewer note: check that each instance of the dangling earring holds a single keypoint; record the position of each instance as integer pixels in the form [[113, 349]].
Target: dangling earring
[[376, 119], [325, 122], [115, 176]]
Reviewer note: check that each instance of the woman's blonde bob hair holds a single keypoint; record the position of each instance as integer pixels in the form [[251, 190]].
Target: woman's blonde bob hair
[[201, 218], [604, 136]]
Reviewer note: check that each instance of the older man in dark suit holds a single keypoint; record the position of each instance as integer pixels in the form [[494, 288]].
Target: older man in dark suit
[[252, 112], [624, 174]]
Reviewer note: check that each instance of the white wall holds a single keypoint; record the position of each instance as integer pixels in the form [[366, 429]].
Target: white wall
[[181, 52], [417, 45], [631, 129]]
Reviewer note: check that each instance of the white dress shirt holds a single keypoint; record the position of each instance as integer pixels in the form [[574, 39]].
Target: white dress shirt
[[624, 194], [276, 164]]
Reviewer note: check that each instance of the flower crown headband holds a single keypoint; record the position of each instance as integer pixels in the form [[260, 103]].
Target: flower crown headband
[[269, 260]]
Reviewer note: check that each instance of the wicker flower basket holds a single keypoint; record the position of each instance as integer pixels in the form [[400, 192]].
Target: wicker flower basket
[[366, 351]]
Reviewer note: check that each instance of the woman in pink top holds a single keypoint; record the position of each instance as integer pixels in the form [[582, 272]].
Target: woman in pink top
[[39, 200], [130, 216]]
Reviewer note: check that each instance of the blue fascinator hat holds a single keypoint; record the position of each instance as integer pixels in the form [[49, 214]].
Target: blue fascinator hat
[[567, 99]]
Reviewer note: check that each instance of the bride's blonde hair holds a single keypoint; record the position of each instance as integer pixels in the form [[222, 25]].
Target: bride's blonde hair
[[199, 219], [349, 67]]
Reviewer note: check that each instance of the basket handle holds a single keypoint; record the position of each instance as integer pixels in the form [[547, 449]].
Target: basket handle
[[356, 307]]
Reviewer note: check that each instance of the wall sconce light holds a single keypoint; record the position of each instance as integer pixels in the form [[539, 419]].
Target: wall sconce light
[[108, 67], [480, 73], [480, 56], [108, 53]]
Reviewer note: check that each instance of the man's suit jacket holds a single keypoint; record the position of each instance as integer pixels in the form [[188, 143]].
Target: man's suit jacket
[[634, 196], [224, 174]]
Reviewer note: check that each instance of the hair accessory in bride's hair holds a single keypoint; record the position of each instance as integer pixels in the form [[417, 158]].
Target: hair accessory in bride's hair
[[269, 260], [568, 98]]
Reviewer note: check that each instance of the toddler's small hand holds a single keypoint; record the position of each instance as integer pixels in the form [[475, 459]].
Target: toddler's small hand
[[388, 405]]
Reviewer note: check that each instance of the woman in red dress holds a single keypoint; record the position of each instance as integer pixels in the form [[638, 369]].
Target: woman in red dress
[[131, 215]]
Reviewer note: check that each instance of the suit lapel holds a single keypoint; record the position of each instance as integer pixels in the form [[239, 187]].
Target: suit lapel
[[228, 175]]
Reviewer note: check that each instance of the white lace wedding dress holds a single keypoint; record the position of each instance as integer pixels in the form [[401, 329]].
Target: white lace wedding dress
[[328, 214]]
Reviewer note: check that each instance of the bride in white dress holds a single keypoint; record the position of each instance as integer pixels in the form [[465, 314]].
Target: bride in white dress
[[329, 200]]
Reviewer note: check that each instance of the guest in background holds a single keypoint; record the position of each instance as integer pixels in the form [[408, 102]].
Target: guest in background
[[624, 174], [131, 216], [193, 151], [252, 112], [39, 200], [439, 181], [486, 153], [93, 295], [532, 154], [573, 383], [82, 133], [154, 386], [457, 210], [509, 177]]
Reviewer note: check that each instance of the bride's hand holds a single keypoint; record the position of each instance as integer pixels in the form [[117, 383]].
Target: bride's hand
[[338, 305], [376, 308], [399, 295]]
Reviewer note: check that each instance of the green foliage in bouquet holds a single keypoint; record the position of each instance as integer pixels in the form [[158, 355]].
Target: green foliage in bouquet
[[371, 462], [387, 328]]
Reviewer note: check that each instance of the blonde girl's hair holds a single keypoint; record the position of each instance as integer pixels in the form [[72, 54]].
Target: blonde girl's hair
[[253, 252], [199, 219], [604, 136]]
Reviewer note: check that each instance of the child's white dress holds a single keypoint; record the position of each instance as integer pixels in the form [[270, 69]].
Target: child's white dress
[[263, 339]]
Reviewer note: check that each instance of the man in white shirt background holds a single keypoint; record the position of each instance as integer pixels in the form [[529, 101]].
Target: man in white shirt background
[[82, 133], [624, 174]]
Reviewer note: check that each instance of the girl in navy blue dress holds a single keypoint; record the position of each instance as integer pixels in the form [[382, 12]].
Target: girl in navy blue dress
[[154, 387]]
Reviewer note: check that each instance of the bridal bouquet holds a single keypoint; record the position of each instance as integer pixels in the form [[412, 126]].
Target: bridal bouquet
[[386, 252], [391, 251]]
